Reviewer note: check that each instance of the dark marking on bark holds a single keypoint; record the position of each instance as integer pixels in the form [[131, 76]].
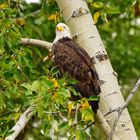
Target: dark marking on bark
[[91, 37], [111, 93], [101, 56], [79, 12], [75, 37], [102, 82], [115, 73]]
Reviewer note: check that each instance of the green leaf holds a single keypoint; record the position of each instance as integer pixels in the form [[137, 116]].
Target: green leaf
[[27, 70], [26, 85], [40, 111], [71, 81], [46, 127], [73, 91], [54, 71], [134, 2], [104, 16], [2, 104], [112, 10], [46, 84], [36, 86], [80, 135], [87, 115], [89, 1], [97, 5], [94, 98], [61, 96], [2, 14], [64, 126], [7, 132], [63, 91], [37, 51]]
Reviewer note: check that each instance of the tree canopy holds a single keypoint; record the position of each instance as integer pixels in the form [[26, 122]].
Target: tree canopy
[[26, 80]]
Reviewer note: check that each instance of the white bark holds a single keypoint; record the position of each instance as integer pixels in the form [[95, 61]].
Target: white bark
[[36, 42], [21, 123], [120, 109], [77, 16]]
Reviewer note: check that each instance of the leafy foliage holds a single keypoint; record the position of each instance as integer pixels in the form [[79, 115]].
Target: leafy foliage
[[26, 80]]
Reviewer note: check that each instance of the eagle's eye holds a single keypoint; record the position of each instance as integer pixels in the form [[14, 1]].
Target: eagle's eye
[[60, 28]]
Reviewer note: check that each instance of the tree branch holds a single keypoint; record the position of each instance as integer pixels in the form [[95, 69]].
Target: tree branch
[[19, 126], [104, 125], [39, 43], [120, 109]]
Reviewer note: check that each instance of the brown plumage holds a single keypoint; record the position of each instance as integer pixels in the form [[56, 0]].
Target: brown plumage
[[75, 61]]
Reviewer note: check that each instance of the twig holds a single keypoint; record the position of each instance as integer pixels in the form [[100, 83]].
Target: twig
[[89, 125], [63, 118], [39, 43], [120, 109], [52, 113], [104, 125], [19, 126], [76, 114], [132, 93], [57, 113]]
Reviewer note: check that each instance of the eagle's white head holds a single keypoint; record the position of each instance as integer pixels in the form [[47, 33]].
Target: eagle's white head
[[62, 30]]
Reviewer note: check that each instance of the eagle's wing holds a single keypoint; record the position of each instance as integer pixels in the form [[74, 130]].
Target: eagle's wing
[[74, 60], [84, 55]]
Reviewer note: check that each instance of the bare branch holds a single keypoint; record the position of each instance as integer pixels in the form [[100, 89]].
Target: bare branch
[[104, 125], [132, 93], [89, 125], [114, 125], [52, 113], [39, 43], [120, 109], [21, 123], [102, 122]]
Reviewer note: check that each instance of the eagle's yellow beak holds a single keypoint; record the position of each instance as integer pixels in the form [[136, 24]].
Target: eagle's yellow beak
[[60, 28]]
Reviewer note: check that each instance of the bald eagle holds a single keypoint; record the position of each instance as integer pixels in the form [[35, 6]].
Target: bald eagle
[[74, 60]]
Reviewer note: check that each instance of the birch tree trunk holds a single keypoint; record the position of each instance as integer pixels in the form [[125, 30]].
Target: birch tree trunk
[[77, 16]]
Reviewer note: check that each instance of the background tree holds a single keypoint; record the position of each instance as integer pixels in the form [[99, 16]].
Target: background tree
[[25, 78]]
